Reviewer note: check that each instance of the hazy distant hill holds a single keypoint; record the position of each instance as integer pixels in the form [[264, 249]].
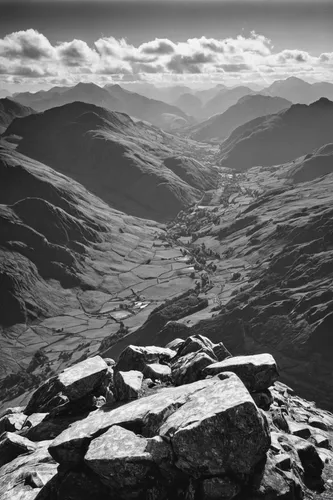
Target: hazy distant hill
[[120, 160], [279, 138], [246, 109], [111, 97], [298, 91], [224, 99], [9, 110], [190, 104]]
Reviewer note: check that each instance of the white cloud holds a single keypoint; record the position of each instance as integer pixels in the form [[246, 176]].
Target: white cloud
[[30, 55]]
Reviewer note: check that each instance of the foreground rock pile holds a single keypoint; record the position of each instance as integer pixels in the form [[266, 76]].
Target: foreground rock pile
[[185, 421]]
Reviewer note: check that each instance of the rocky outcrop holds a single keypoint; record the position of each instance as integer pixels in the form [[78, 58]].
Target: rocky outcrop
[[204, 438], [70, 386]]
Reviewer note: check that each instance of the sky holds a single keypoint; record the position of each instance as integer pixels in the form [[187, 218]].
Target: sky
[[46, 42]]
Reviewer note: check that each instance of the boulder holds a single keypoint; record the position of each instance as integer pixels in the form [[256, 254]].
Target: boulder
[[124, 461], [70, 385], [12, 445], [219, 430], [257, 372], [12, 422], [127, 385], [17, 477], [136, 358], [155, 371], [189, 368], [217, 488]]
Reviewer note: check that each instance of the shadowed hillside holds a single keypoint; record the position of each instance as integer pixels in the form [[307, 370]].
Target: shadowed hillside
[[279, 138], [247, 108], [116, 158]]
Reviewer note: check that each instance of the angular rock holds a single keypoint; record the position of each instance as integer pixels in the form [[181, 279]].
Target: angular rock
[[270, 482], [12, 445], [257, 372], [221, 352], [190, 368], [320, 439], [70, 385], [145, 415], [318, 423], [124, 461], [156, 371], [12, 422], [175, 344], [16, 476], [219, 430], [217, 488], [136, 358], [299, 430], [127, 385], [197, 343], [34, 419]]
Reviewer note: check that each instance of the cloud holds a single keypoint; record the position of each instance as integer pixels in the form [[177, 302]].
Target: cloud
[[158, 47], [76, 53], [29, 44], [30, 55]]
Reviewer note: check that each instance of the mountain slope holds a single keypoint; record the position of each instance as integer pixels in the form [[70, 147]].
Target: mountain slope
[[111, 97], [279, 138], [247, 108], [9, 110], [119, 160]]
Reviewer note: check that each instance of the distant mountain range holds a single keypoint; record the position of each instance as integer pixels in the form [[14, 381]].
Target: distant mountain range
[[279, 138], [132, 166], [9, 110], [298, 91], [220, 126], [111, 97]]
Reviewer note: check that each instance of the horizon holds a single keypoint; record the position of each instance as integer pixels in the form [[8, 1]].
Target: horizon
[[44, 43]]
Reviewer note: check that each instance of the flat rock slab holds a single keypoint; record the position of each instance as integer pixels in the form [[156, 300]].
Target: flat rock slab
[[257, 372], [123, 460], [127, 385], [71, 384]]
